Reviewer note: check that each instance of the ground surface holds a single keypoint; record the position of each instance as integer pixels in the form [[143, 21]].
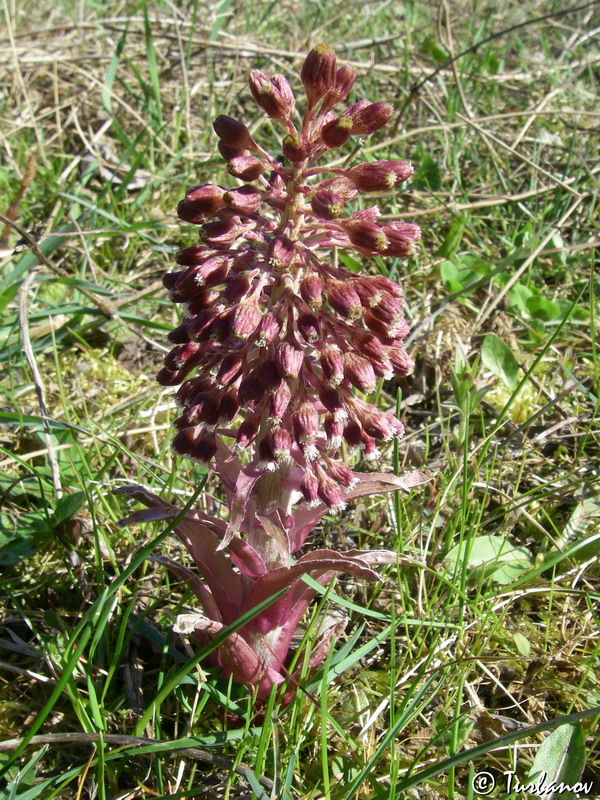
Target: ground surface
[[105, 112]]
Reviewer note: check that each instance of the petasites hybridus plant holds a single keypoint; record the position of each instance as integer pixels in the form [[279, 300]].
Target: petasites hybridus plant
[[278, 349]]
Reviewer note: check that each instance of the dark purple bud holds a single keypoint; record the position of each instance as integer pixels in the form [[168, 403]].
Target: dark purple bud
[[332, 401], [311, 291], [186, 440], [341, 187], [168, 377], [179, 335], [169, 279], [369, 117], [309, 328], [180, 356], [337, 132], [204, 200], [270, 375], [205, 448], [246, 168], [222, 233], [229, 404], [353, 433], [238, 287], [200, 323], [248, 431], [334, 430], [211, 273], [209, 413], [233, 132], [231, 152], [193, 256], [230, 369], [251, 391], [245, 200], [289, 360], [318, 72], [343, 298]]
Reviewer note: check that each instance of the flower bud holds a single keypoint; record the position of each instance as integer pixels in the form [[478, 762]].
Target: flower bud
[[379, 176], [233, 132], [169, 279], [222, 233], [311, 291], [401, 362], [280, 400], [403, 238], [238, 287], [368, 237], [388, 309], [245, 200], [168, 377], [211, 273], [318, 73], [341, 187], [186, 440], [229, 404], [369, 117], [180, 357], [246, 168], [334, 430], [332, 401], [267, 330], [337, 132], [199, 325], [230, 369], [275, 96], [206, 199], [332, 364], [280, 252], [327, 205], [344, 81], [193, 256], [270, 375], [248, 431], [359, 372], [353, 433], [244, 321], [295, 148], [330, 493], [305, 422], [251, 391], [179, 335], [342, 474], [343, 298], [205, 448], [231, 152], [309, 327], [310, 488], [289, 360]]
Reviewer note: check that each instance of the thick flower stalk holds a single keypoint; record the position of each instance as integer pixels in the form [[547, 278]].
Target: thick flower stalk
[[279, 349]]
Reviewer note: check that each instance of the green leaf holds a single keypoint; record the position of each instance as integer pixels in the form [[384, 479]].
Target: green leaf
[[541, 308], [453, 238], [428, 175], [497, 356], [522, 644], [584, 520], [491, 557], [560, 759], [68, 506]]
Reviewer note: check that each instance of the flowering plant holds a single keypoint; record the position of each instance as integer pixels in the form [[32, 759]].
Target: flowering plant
[[283, 344]]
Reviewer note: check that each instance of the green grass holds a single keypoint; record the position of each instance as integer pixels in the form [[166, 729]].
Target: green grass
[[485, 638]]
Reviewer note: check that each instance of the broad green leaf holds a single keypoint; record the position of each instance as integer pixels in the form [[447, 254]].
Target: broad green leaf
[[522, 643], [492, 556], [541, 308], [497, 356], [560, 759]]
